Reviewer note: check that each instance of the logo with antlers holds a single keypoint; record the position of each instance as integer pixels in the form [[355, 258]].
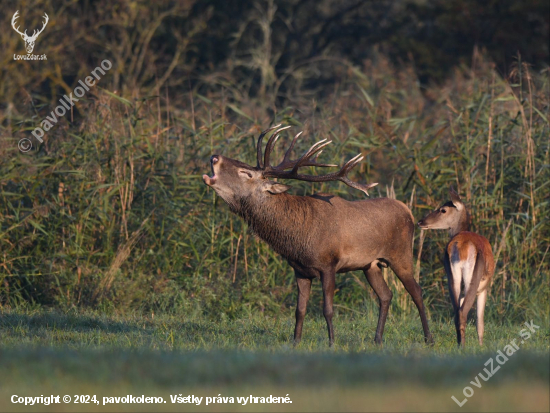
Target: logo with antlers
[[29, 40]]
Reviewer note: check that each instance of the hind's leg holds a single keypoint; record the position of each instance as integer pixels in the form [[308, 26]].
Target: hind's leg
[[481, 300], [405, 273], [454, 293], [472, 270], [376, 281]]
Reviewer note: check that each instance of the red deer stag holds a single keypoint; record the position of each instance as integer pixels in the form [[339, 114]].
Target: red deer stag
[[468, 260], [321, 235]]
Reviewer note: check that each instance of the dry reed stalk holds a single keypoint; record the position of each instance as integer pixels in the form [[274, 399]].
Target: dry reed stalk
[[236, 258], [529, 171], [489, 138], [503, 240], [121, 256]]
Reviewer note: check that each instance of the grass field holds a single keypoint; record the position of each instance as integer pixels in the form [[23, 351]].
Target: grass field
[[45, 353]]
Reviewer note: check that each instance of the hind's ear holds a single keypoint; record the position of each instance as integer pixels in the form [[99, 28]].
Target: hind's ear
[[455, 198]]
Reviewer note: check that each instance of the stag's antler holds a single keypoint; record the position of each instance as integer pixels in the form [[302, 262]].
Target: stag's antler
[[305, 160]]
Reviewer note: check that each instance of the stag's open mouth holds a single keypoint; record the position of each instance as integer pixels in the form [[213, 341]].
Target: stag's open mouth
[[211, 180]]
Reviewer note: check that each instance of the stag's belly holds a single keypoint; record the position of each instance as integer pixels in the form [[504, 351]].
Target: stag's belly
[[357, 257], [371, 235]]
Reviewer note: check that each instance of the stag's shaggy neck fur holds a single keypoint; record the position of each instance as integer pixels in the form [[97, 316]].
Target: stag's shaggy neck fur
[[280, 221]]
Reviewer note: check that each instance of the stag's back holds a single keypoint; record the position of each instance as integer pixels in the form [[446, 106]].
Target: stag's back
[[326, 228]]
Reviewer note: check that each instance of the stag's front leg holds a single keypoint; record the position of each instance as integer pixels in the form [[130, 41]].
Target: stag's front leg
[[304, 288], [328, 282]]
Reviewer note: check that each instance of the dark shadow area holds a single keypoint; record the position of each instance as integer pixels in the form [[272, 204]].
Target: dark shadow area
[[67, 322]]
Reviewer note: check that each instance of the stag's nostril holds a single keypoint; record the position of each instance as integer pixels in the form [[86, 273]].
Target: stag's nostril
[[214, 159]]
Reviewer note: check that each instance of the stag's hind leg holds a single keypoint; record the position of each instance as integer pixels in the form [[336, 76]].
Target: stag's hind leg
[[304, 288], [378, 284], [405, 273], [328, 281]]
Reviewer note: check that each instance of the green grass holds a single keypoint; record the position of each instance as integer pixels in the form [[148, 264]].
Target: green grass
[[90, 330], [90, 353]]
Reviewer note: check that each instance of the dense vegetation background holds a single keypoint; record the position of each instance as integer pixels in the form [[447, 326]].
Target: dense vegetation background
[[110, 211]]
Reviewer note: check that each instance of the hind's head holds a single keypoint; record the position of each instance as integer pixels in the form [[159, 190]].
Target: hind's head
[[452, 215]]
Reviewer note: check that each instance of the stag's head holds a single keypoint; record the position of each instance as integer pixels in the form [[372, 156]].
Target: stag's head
[[235, 181], [29, 40]]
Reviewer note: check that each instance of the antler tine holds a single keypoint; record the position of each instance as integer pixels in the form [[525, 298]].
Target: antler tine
[[259, 146], [347, 168], [289, 150], [270, 144], [312, 151], [351, 163], [287, 163], [357, 185], [314, 161]]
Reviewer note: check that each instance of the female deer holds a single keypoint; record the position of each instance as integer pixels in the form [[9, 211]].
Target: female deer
[[468, 260]]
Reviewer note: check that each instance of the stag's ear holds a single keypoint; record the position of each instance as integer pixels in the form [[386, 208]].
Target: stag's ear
[[455, 198], [275, 187]]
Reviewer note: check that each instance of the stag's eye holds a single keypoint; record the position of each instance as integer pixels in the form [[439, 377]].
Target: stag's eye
[[442, 210]]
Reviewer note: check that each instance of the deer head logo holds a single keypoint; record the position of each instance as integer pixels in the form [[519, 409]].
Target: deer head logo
[[29, 40]]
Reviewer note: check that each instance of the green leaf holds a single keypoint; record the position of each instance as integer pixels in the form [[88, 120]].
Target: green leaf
[[120, 99], [238, 111]]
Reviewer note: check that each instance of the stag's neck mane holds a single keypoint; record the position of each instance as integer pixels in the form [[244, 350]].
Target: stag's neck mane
[[281, 221]]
